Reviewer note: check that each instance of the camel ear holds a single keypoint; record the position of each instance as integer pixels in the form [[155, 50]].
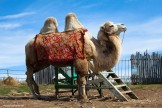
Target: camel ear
[[102, 27]]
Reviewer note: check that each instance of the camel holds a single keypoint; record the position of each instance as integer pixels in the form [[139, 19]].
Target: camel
[[104, 51]]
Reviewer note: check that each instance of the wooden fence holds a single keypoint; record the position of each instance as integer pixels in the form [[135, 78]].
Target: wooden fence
[[45, 76], [146, 69]]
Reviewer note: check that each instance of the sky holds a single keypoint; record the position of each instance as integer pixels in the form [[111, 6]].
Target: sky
[[21, 20]]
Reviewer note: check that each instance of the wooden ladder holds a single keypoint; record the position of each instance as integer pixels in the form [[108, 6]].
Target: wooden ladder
[[120, 89]]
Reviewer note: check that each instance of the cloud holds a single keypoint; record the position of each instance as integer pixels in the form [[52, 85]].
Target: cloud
[[19, 15], [152, 45], [89, 6], [142, 36], [153, 26], [12, 47], [9, 25]]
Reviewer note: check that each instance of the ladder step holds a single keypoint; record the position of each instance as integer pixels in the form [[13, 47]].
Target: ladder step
[[64, 91], [125, 92], [110, 72], [119, 86], [94, 81], [91, 75], [114, 79], [118, 90]]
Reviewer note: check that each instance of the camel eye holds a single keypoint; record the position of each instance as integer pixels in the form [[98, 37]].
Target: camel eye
[[111, 26]]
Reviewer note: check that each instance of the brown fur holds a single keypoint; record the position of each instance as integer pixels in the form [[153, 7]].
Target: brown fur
[[105, 53]]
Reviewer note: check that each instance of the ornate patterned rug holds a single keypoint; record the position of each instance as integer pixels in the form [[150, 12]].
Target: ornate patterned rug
[[60, 47]]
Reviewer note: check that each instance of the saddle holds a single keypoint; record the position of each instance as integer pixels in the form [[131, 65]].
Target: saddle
[[60, 47]]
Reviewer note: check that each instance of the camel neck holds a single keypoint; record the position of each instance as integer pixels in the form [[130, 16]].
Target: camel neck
[[107, 54]]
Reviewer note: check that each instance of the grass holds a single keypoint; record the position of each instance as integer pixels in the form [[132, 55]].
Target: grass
[[1, 82], [45, 86], [6, 90], [22, 88]]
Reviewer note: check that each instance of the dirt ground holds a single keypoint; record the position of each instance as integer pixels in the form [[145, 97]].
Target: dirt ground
[[148, 98]]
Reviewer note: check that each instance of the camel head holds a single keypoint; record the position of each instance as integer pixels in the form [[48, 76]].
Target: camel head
[[72, 22], [109, 29], [113, 29], [50, 26]]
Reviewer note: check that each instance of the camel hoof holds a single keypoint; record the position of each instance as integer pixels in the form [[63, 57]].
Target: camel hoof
[[37, 97], [85, 101], [83, 97], [45, 97]]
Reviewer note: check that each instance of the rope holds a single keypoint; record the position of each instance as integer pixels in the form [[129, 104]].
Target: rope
[[123, 37]]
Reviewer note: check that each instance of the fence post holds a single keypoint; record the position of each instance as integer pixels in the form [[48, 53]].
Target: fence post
[[7, 73]]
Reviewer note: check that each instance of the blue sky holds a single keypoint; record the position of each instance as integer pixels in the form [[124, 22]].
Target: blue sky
[[20, 20]]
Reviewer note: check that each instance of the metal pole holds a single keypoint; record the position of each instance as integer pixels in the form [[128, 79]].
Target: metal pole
[[56, 82], [7, 73], [72, 79]]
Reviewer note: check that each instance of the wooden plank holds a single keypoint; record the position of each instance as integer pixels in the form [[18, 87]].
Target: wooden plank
[[67, 86], [111, 73], [95, 81], [125, 88], [126, 92], [120, 86], [149, 67], [65, 91], [93, 87], [114, 79], [115, 91]]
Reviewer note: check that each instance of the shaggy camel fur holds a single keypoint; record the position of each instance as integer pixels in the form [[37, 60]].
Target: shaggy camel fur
[[50, 26], [105, 53], [72, 22]]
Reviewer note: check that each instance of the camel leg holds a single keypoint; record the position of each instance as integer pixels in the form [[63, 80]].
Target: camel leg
[[81, 87], [29, 81], [36, 87], [82, 70]]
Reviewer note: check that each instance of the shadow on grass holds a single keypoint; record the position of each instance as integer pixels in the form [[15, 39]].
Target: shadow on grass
[[43, 98], [54, 98]]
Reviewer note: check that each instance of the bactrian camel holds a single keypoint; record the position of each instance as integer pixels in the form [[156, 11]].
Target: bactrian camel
[[104, 51]]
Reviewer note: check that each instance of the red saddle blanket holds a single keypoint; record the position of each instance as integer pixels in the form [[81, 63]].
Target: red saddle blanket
[[60, 47]]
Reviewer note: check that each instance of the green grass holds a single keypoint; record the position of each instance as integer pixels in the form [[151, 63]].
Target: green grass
[[22, 88], [1, 82], [5, 90], [45, 86]]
